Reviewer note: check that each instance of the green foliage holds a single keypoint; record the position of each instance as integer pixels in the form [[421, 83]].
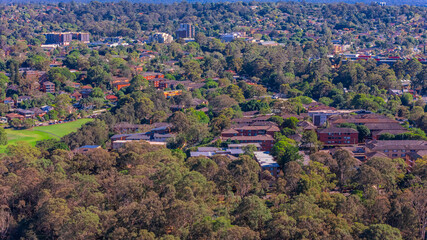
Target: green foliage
[[3, 137]]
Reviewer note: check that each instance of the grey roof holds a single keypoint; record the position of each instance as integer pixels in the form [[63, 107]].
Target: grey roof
[[338, 130], [207, 149]]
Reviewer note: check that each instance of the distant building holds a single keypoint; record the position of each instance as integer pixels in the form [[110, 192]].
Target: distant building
[[186, 30], [267, 163], [86, 149], [76, 96], [320, 117], [410, 150], [152, 75], [338, 136], [48, 87], [228, 37], [64, 38], [169, 94], [161, 38]]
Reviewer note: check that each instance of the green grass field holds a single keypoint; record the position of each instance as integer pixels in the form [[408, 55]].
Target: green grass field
[[35, 134]]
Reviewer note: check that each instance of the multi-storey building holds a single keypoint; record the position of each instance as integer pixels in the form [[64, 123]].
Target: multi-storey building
[[48, 87], [186, 30], [64, 38], [338, 136]]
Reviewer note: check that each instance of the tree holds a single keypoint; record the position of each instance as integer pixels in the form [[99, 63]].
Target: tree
[[3, 136], [97, 93], [252, 212], [309, 141], [364, 132], [290, 123], [406, 99], [285, 152], [381, 232], [53, 214], [346, 165], [98, 76], [192, 70]]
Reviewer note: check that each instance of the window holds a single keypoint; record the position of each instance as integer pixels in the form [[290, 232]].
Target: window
[[394, 155], [403, 150], [385, 150], [402, 154], [394, 150]]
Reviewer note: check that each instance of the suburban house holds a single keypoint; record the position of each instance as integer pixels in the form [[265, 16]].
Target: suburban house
[[86, 149], [120, 85], [9, 101], [11, 116], [76, 96], [23, 99], [169, 94], [25, 113], [111, 98]]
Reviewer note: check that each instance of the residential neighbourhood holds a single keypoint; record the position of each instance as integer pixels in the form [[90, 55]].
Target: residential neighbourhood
[[232, 120]]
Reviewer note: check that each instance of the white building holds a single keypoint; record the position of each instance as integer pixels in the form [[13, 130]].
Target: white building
[[161, 38]]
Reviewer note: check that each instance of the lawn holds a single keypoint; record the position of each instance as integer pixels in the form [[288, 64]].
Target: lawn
[[35, 134]]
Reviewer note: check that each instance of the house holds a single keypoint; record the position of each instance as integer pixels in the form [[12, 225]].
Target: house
[[9, 101], [267, 163], [124, 127], [25, 113], [86, 149], [11, 116], [3, 119], [169, 94], [47, 108], [307, 126], [75, 85], [120, 85], [161, 128], [48, 87], [23, 99], [162, 137], [76, 96], [338, 136], [122, 143], [111, 98], [86, 91], [38, 112]]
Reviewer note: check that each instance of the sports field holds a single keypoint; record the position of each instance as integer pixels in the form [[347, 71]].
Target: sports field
[[35, 134]]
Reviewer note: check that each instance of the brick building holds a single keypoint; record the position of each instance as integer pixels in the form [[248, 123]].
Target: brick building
[[250, 131], [338, 136], [151, 75], [48, 87]]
